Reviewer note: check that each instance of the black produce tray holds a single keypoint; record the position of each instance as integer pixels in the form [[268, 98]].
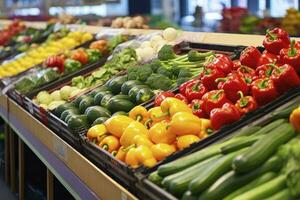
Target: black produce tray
[[151, 191]]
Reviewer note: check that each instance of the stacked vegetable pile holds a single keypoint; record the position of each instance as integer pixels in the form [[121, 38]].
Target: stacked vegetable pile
[[7, 33], [37, 55], [258, 163], [67, 63], [226, 90]]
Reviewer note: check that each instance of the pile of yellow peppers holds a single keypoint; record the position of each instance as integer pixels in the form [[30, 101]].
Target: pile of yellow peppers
[[145, 137]]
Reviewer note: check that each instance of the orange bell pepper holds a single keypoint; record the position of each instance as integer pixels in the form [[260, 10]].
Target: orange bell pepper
[[117, 124], [161, 151], [110, 143], [140, 155], [295, 119], [186, 140], [97, 133], [185, 123], [139, 113], [133, 129], [121, 154], [159, 133]]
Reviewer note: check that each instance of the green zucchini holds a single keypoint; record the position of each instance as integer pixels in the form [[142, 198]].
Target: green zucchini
[[128, 85], [285, 113], [99, 89], [269, 127], [85, 103], [133, 91], [189, 196], [284, 194], [66, 113], [116, 84], [61, 108], [105, 99], [98, 97], [155, 178], [209, 175], [99, 120], [245, 141], [187, 161], [256, 182], [264, 148], [95, 112], [144, 95], [265, 190], [248, 131], [77, 101], [178, 185], [115, 105], [231, 181]]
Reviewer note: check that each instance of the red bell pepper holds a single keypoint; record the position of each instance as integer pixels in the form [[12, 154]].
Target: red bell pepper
[[264, 71], [161, 96], [231, 85], [227, 114], [276, 40], [250, 57], [196, 105], [221, 62], [209, 76], [182, 98], [80, 55], [236, 64], [247, 73], [264, 91], [291, 56], [214, 99], [246, 104], [267, 58], [55, 61], [195, 90], [285, 77], [182, 87]]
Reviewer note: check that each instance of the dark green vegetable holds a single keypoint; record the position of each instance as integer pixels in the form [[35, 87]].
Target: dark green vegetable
[[194, 55], [93, 55], [115, 105], [99, 89], [116, 84], [71, 111], [105, 99], [189, 196], [239, 144], [78, 123], [79, 99], [155, 178], [264, 148], [95, 112], [85, 103], [231, 181], [133, 91], [248, 131], [284, 113], [284, 194], [71, 66], [99, 120], [269, 127], [144, 72], [98, 97], [158, 81], [144, 95], [61, 108], [128, 85]]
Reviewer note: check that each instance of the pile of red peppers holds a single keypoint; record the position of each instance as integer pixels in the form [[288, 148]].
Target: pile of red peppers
[[226, 90]]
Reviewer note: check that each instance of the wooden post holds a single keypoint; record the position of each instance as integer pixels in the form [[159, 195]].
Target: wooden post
[[49, 185], [21, 169], [12, 161], [6, 153]]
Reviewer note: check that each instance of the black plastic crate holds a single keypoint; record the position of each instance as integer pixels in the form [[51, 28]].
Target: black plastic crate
[[152, 191]]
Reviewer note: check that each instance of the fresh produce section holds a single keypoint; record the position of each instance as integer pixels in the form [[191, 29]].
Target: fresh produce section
[[258, 163], [163, 117]]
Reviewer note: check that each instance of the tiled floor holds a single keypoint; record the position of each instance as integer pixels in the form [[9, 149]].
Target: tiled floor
[[5, 193]]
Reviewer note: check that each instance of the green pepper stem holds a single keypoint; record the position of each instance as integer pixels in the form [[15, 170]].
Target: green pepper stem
[[139, 118], [272, 36], [240, 93], [209, 131], [292, 51], [221, 80], [216, 96], [148, 122], [105, 147]]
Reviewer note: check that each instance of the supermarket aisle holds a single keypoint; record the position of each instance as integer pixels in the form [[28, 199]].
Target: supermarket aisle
[[5, 193]]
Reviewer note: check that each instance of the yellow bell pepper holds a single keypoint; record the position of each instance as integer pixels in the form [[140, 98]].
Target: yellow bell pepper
[[295, 119], [140, 155], [110, 143], [97, 133], [121, 154], [142, 140], [139, 113], [133, 129], [184, 123], [156, 115], [206, 128], [161, 151], [159, 133], [186, 140], [117, 124], [170, 106]]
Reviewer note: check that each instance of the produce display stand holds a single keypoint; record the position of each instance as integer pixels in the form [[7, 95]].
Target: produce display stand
[[80, 177]]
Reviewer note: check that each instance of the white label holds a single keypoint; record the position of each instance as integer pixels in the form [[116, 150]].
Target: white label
[[60, 149], [123, 196]]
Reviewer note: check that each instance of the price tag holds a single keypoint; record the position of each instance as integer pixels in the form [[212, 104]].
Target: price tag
[[30, 107], [60, 149], [123, 196]]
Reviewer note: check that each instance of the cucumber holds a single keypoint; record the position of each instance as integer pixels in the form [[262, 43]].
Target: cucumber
[[99, 89], [178, 185], [265, 190], [256, 182], [98, 97], [231, 181], [122, 96], [189, 196], [95, 112], [248, 131], [239, 144], [284, 194], [155, 178], [116, 84], [285, 113], [133, 91], [66, 113], [115, 105], [60, 109], [264, 148], [269, 127], [85, 103], [105, 99], [185, 162], [209, 175], [128, 85], [77, 101]]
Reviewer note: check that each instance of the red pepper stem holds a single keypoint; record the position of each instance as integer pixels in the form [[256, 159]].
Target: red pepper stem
[[221, 80], [272, 36], [292, 51]]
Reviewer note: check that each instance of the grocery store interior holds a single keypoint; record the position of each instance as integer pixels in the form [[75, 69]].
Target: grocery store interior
[[150, 100]]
